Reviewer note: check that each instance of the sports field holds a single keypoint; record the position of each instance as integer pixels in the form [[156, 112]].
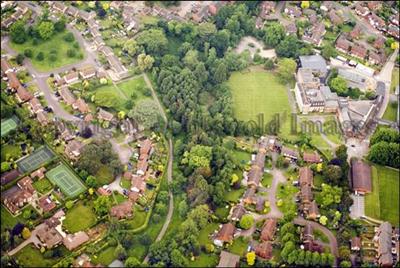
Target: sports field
[[35, 160], [7, 125], [68, 182]]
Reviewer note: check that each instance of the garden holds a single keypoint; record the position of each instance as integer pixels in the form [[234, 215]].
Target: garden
[[80, 217]]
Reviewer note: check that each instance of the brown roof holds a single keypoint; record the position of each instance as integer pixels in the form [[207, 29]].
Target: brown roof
[[42, 118], [138, 184], [46, 204], [67, 95], [88, 72], [35, 105], [268, 230], [355, 243], [9, 176], [145, 146], [343, 44], [17, 196], [375, 57], [88, 118], [361, 176], [290, 152], [123, 210], [334, 17], [260, 203], [227, 259], [356, 32], [48, 234], [305, 176], [26, 184], [81, 105], [358, 51], [306, 193], [226, 232], [102, 191], [142, 166], [379, 42], [254, 176], [23, 94], [38, 173], [5, 65], [13, 80], [133, 196], [74, 148], [249, 195], [264, 250], [72, 241], [103, 114], [312, 157], [313, 211], [71, 77], [238, 212]]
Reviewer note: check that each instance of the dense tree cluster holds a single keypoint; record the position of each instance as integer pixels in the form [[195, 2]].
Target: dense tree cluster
[[385, 147]]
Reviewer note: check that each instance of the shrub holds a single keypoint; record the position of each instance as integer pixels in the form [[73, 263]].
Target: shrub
[[28, 53], [40, 56], [52, 57], [71, 53], [69, 37], [76, 45], [20, 58]]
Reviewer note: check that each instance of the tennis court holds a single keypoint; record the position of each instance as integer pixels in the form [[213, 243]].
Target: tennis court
[[68, 182], [8, 125], [35, 160]]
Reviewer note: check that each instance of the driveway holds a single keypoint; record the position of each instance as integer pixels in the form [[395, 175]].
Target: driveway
[[33, 239], [358, 208]]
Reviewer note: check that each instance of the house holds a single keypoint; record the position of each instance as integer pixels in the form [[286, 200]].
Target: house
[[7, 22], [9, 176], [116, 65], [59, 7], [264, 250], [81, 106], [98, 42], [133, 196], [237, 212], [145, 147], [315, 34], [358, 51], [46, 204], [334, 17], [88, 118], [35, 106], [395, 19], [73, 149], [379, 42], [87, 72], [343, 45], [48, 234], [67, 95], [312, 211], [267, 7], [72, 11], [308, 96], [307, 237], [23, 95], [6, 66], [305, 176], [312, 157], [92, 24], [361, 10], [95, 33], [375, 58], [260, 203], [86, 16], [356, 32], [84, 261], [72, 241], [290, 153], [293, 11], [71, 78], [138, 184], [376, 22], [13, 81], [123, 210], [103, 191], [213, 9], [104, 115], [355, 243], [18, 196], [107, 51], [249, 196], [306, 194], [225, 234], [39, 173], [268, 230], [374, 5], [259, 23], [361, 177], [383, 242], [394, 31], [291, 29], [65, 134], [227, 259]]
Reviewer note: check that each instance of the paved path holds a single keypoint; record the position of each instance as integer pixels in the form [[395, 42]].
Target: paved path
[[33, 239], [116, 186], [123, 150], [358, 207]]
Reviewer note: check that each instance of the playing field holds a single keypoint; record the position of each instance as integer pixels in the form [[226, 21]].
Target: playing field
[[257, 92], [68, 182], [7, 125], [34, 160]]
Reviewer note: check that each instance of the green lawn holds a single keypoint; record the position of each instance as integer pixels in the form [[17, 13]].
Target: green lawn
[[118, 198], [257, 92], [391, 111], [139, 217], [30, 256], [10, 151], [286, 193], [383, 202], [125, 184], [234, 195], [205, 260], [135, 86], [104, 175], [105, 257], [43, 185], [239, 246], [204, 234], [395, 79], [320, 236], [222, 212], [79, 218], [57, 43], [241, 156], [8, 220]]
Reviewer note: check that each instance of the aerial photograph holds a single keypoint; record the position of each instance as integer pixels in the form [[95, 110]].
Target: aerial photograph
[[200, 134]]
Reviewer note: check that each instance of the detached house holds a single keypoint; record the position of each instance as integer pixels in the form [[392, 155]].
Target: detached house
[[35, 106], [227, 259], [264, 250], [268, 230], [225, 234], [71, 78], [67, 95], [72, 241], [81, 106], [343, 45], [73, 149], [18, 196], [361, 10], [290, 153], [358, 51], [361, 177], [123, 210], [104, 115]]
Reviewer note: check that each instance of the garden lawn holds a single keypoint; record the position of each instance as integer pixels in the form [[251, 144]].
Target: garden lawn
[[383, 202], [114, 92], [395, 79], [391, 111], [139, 217], [239, 246], [14, 151], [79, 218], [241, 156], [104, 175], [7, 220], [135, 85], [204, 234], [257, 92], [56, 42], [30, 256], [205, 260], [43, 185], [266, 180], [234, 195], [105, 257]]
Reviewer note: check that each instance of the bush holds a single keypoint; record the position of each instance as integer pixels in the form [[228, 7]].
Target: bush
[[20, 58], [5, 166], [246, 221], [40, 56], [69, 37], [52, 57], [35, 41], [76, 45], [71, 53], [28, 53]]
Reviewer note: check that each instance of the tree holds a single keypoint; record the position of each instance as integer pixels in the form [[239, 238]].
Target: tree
[[146, 113], [344, 253], [102, 205], [323, 220], [246, 221], [178, 259], [329, 195], [305, 4], [183, 208], [274, 34], [385, 153], [316, 258], [251, 257], [130, 47], [5, 166], [339, 85], [154, 41], [333, 174], [86, 133], [45, 29], [69, 37], [40, 56], [328, 51], [345, 264], [145, 62], [199, 156], [71, 53], [28, 53], [18, 33], [286, 69], [27, 214], [69, 204], [221, 73], [269, 64], [385, 134], [91, 181], [20, 59], [132, 262], [59, 25], [26, 233], [120, 252]]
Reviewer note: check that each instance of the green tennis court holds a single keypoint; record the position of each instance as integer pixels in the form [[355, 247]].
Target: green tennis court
[[64, 178], [35, 160], [8, 125]]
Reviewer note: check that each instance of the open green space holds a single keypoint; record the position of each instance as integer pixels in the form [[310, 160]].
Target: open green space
[[234, 195], [35, 160], [105, 257], [241, 156], [7, 125], [383, 202], [8, 220], [57, 43], [266, 180], [204, 235], [104, 175], [239, 246], [395, 79], [64, 178], [30, 256], [79, 218], [10, 151], [43, 185], [257, 92], [391, 111], [135, 86], [205, 260]]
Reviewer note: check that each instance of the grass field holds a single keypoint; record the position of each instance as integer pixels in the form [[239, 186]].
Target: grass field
[[7, 125], [34, 160], [104, 175], [383, 202], [68, 182], [105, 257], [43, 185], [391, 111], [10, 151], [257, 92], [234, 195], [239, 246], [74, 222], [395, 79], [57, 43], [30, 256], [8, 220], [205, 260]]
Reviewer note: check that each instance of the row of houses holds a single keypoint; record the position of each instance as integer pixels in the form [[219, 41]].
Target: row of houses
[[386, 242], [20, 11], [22, 94], [307, 204]]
